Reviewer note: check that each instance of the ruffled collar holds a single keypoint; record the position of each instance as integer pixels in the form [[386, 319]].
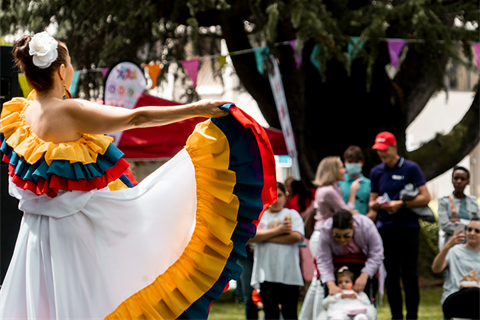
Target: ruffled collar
[[26, 143]]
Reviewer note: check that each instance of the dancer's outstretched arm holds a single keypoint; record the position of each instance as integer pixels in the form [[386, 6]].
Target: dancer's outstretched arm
[[89, 117]]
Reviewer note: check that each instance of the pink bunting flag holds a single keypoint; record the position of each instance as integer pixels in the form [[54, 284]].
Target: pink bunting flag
[[476, 51], [104, 72], [192, 69], [297, 54], [394, 48]]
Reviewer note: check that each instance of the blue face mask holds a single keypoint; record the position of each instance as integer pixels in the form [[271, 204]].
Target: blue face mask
[[353, 168]]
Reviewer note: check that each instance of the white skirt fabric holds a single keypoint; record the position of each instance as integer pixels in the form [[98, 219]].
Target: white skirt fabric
[[97, 242], [165, 249]]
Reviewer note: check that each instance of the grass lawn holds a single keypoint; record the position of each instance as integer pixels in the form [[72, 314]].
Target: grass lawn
[[430, 307]]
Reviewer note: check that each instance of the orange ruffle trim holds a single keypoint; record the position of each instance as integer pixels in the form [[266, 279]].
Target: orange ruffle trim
[[27, 144], [205, 257]]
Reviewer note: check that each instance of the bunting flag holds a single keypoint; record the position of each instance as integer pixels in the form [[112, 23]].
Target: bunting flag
[[222, 59], [104, 72], [297, 53], [260, 54], [313, 57], [154, 71], [191, 66], [22, 80], [74, 84], [353, 47], [476, 51], [395, 46]]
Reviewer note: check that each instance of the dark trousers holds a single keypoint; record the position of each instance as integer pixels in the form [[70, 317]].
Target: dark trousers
[[401, 261], [251, 312], [273, 294], [463, 304]]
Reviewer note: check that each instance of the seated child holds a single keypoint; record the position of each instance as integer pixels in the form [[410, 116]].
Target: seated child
[[348, 304]]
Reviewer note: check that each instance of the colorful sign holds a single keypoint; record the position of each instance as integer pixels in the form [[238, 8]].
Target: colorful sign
[[123, 85]]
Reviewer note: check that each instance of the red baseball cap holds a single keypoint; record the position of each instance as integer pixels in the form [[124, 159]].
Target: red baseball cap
[[383, 140]]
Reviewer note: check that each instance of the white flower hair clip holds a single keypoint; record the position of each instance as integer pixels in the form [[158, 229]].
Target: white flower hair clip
[[43, 48]]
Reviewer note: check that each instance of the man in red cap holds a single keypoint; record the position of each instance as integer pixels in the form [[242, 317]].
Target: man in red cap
[[396, 223]]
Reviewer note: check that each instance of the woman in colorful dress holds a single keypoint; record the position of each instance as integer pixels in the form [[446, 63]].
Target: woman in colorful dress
[[91, 245]]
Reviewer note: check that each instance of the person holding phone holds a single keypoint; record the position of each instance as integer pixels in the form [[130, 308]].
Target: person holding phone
[[459, 260], [456, 209]]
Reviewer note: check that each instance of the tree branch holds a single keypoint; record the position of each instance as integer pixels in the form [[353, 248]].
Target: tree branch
[[444, 151], [245, 66], [416, 82]]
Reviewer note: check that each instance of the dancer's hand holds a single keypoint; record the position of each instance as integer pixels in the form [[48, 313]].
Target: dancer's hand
[[210, 108]]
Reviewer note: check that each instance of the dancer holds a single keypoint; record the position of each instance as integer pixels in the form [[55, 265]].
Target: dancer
[[163, 249]]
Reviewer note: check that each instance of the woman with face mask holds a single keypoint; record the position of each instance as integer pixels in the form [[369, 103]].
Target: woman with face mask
[[457, 209], [354, 160]]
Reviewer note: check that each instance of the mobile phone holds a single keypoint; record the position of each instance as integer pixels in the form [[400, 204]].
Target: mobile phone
[[457, 227]]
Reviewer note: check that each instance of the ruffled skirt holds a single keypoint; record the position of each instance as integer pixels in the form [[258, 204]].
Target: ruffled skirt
[[165, 249]]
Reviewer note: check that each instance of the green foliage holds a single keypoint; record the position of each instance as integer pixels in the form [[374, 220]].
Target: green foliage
[[99, 33]]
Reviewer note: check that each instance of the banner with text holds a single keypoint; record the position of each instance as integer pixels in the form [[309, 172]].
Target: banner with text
[[282, 109]]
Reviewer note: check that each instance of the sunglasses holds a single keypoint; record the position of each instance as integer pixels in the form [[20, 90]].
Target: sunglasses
[[345, 236], [470, 229]]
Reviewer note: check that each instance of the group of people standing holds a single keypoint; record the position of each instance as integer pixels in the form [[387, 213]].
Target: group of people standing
[[365, 239]]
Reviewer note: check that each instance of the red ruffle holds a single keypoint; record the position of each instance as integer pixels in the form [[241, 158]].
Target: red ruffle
[[60, 183], [269, 192]]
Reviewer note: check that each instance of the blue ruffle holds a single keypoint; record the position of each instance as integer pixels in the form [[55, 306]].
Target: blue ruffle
[[63, 168], [246, 162]]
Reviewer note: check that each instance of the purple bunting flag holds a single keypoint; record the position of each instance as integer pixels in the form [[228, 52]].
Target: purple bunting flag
[[104, 72], [394, 48], [476, 51], [191, 66], [297, 53]]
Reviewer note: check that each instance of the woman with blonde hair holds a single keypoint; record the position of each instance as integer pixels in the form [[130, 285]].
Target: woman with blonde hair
[[328, 200]]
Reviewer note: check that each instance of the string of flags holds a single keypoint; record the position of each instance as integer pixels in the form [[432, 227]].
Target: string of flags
[[395, 47]]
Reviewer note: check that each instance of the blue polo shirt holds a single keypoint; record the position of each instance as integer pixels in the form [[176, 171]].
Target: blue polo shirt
[[362, 196], [392, 181]]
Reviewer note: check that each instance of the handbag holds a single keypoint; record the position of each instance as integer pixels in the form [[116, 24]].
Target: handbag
[[409, 192]]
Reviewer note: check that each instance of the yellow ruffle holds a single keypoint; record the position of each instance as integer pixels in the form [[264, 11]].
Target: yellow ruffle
[[117, 185], [25, 142], [205, 256]]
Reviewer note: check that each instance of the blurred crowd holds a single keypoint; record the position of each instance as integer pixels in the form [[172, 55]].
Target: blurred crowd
[[342, 245]]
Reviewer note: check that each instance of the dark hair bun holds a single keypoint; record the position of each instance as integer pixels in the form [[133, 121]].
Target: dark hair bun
[[38, 79], [20, 52]]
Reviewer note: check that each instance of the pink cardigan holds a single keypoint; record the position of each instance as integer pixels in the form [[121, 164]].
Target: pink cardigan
[[366, 237], [328, 200]]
